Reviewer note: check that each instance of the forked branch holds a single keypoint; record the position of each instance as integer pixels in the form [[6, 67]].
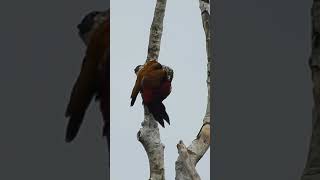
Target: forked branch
[[189, 156]]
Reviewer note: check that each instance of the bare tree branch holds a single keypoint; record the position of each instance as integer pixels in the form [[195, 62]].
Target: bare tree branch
[[149, 134], [156, 30], [189, 156]]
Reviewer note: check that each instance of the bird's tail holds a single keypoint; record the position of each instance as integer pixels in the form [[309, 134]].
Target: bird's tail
[[73, 126], [158, 110], [106, 126], [106, 133]]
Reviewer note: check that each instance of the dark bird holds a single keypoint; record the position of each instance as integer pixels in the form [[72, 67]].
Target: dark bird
[[93, 80], [154, 84]]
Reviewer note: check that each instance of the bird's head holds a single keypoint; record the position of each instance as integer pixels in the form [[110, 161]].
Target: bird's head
[[169, 72], [86, 24], [89, 22], [137, 69]]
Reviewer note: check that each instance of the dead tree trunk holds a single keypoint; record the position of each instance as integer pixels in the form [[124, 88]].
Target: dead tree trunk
[[312, 167], [189, 156], [149, 134]]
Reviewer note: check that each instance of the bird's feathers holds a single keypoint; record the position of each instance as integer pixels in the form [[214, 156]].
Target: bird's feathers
[[154, 86], [88, 82]]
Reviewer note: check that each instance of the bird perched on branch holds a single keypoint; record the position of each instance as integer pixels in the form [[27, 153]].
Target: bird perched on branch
[[154, 84], [93, 80]]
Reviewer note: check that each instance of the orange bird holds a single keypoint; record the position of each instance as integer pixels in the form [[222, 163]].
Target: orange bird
[[94, 77], [154, 84]]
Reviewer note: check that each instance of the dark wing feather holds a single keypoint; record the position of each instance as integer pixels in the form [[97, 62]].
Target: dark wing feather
[[82, 93]]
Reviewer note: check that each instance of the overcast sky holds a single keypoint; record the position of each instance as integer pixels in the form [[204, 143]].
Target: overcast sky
[[183, 49]]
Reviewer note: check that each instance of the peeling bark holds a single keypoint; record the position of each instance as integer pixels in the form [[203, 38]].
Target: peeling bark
[[312, 167], [189, 156], [149, 134]]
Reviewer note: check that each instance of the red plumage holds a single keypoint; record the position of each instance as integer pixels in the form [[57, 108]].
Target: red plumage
[[155, 86], [153, 98]]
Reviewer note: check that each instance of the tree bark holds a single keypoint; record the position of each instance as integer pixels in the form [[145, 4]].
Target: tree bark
[[156, 30], [312, 167], [149, 134], [189, 156]]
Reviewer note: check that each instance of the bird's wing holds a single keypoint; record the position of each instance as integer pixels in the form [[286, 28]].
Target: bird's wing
[[151, 86], [81, 96], [148, 67], [86, 84], [153, 79]]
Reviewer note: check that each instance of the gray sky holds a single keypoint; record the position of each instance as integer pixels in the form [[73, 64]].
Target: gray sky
[[262, 96], [183, 49], [41, 55]]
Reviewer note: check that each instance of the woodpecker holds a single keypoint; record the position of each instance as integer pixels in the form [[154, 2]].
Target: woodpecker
[[154, 84], [93, 80]]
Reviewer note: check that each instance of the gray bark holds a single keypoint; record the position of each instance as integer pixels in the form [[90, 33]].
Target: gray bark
[[149, 134], [156, 30], [312, 167], [189, 156]]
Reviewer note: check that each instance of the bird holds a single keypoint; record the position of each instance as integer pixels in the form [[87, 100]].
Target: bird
[[94, 77], [154, 84]]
